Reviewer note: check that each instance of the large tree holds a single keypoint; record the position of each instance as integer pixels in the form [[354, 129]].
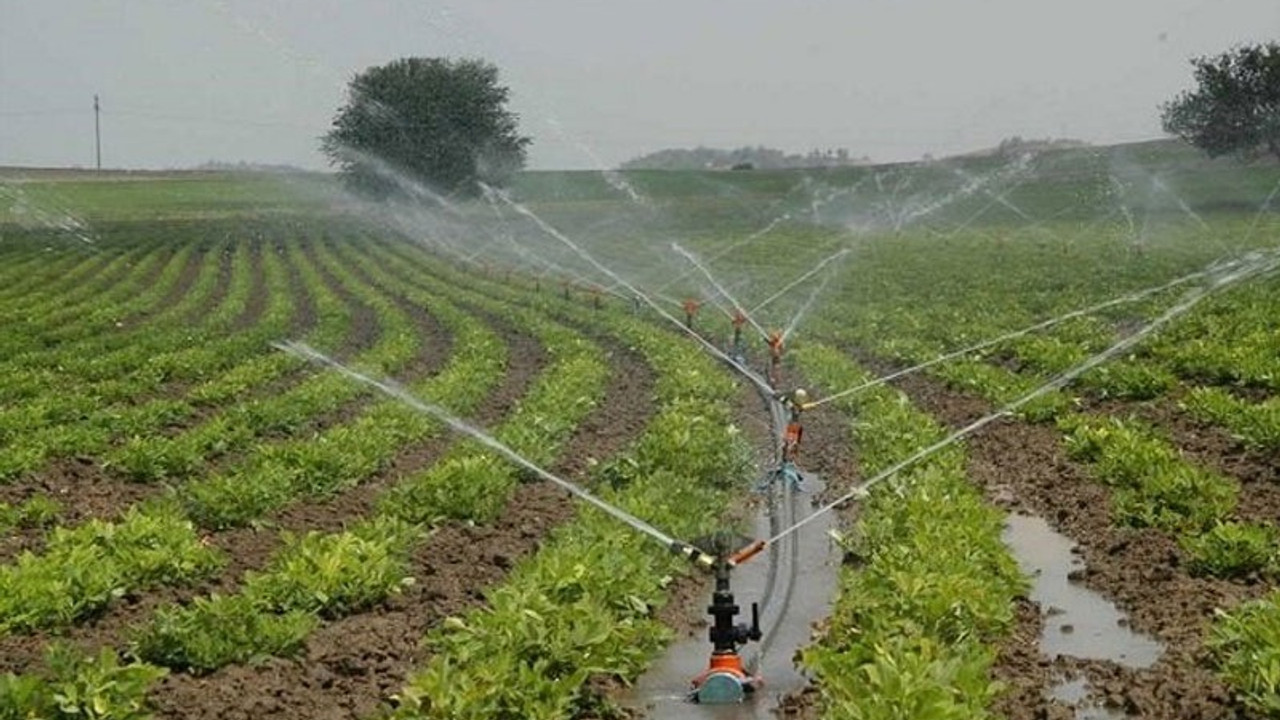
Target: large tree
[[1235, 107], [436, 121]]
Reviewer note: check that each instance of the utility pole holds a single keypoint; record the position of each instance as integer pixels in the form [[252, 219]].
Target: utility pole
[[97, 133]]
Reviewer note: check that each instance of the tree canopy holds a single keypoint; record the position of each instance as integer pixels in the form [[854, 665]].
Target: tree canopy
[[437, 121], [1235, 107]]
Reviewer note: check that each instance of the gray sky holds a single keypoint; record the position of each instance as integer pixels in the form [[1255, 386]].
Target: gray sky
[[596, 83]]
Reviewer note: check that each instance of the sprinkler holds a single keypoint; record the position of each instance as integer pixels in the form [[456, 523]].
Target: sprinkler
[[787, 471], [691, 307], [739, 350], [725, 680], [775, 357], [596, 301], [795, 403]]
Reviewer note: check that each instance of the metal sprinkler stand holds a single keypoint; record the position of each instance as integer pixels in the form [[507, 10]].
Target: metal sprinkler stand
[[725, 680]]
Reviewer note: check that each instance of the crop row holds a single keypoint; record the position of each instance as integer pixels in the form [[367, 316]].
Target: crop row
[[1152, 484], [335, 574], [319, 573], [567, 614], [65, 299], [173, 537], [125, 284], [110, 326], [92, 383], [30, 328], [228, 431], [32, 598], [33, 272], [933, 585], [124, 405]]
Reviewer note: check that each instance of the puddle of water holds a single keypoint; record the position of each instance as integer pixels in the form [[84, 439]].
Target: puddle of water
[[1078, 622], [1070, 691], [1075, 692], [812, 562]]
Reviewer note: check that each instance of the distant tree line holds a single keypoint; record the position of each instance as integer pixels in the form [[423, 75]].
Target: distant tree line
[[705, 158], [243, 166]]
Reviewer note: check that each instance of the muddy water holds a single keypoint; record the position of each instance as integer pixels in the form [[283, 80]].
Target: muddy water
[[805, 567], [1076, 693], [1077, 621]]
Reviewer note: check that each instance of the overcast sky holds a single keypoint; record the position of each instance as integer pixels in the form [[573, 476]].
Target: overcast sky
[[597, 83]]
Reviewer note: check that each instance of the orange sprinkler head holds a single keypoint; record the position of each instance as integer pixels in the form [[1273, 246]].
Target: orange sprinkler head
[[747, 553], [775, 339], [739, 319], [691, 306]]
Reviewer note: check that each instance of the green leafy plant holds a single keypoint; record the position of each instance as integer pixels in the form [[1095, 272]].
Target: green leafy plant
[[1245, 647], [217, 630], [1234, 549], [80, 687]]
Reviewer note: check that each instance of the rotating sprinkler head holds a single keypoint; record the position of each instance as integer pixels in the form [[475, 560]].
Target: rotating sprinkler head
[[775, 357], [691, 307], [738, 319]]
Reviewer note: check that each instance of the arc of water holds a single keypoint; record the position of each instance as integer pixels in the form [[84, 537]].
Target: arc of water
[[1160, 185], [813, 295], [805, 276], [399, 392], [985, 208], [1261, 210], [561, 237], [1249, 270], [719, 288], [732, 246], [1043, 325]]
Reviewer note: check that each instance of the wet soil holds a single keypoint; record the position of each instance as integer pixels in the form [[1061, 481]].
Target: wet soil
[[1212, 448], [1023, 466]]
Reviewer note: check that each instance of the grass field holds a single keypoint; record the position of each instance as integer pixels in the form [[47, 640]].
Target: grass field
[[194, 524]]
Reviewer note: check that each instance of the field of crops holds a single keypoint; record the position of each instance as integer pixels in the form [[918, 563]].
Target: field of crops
[[197, 524]]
